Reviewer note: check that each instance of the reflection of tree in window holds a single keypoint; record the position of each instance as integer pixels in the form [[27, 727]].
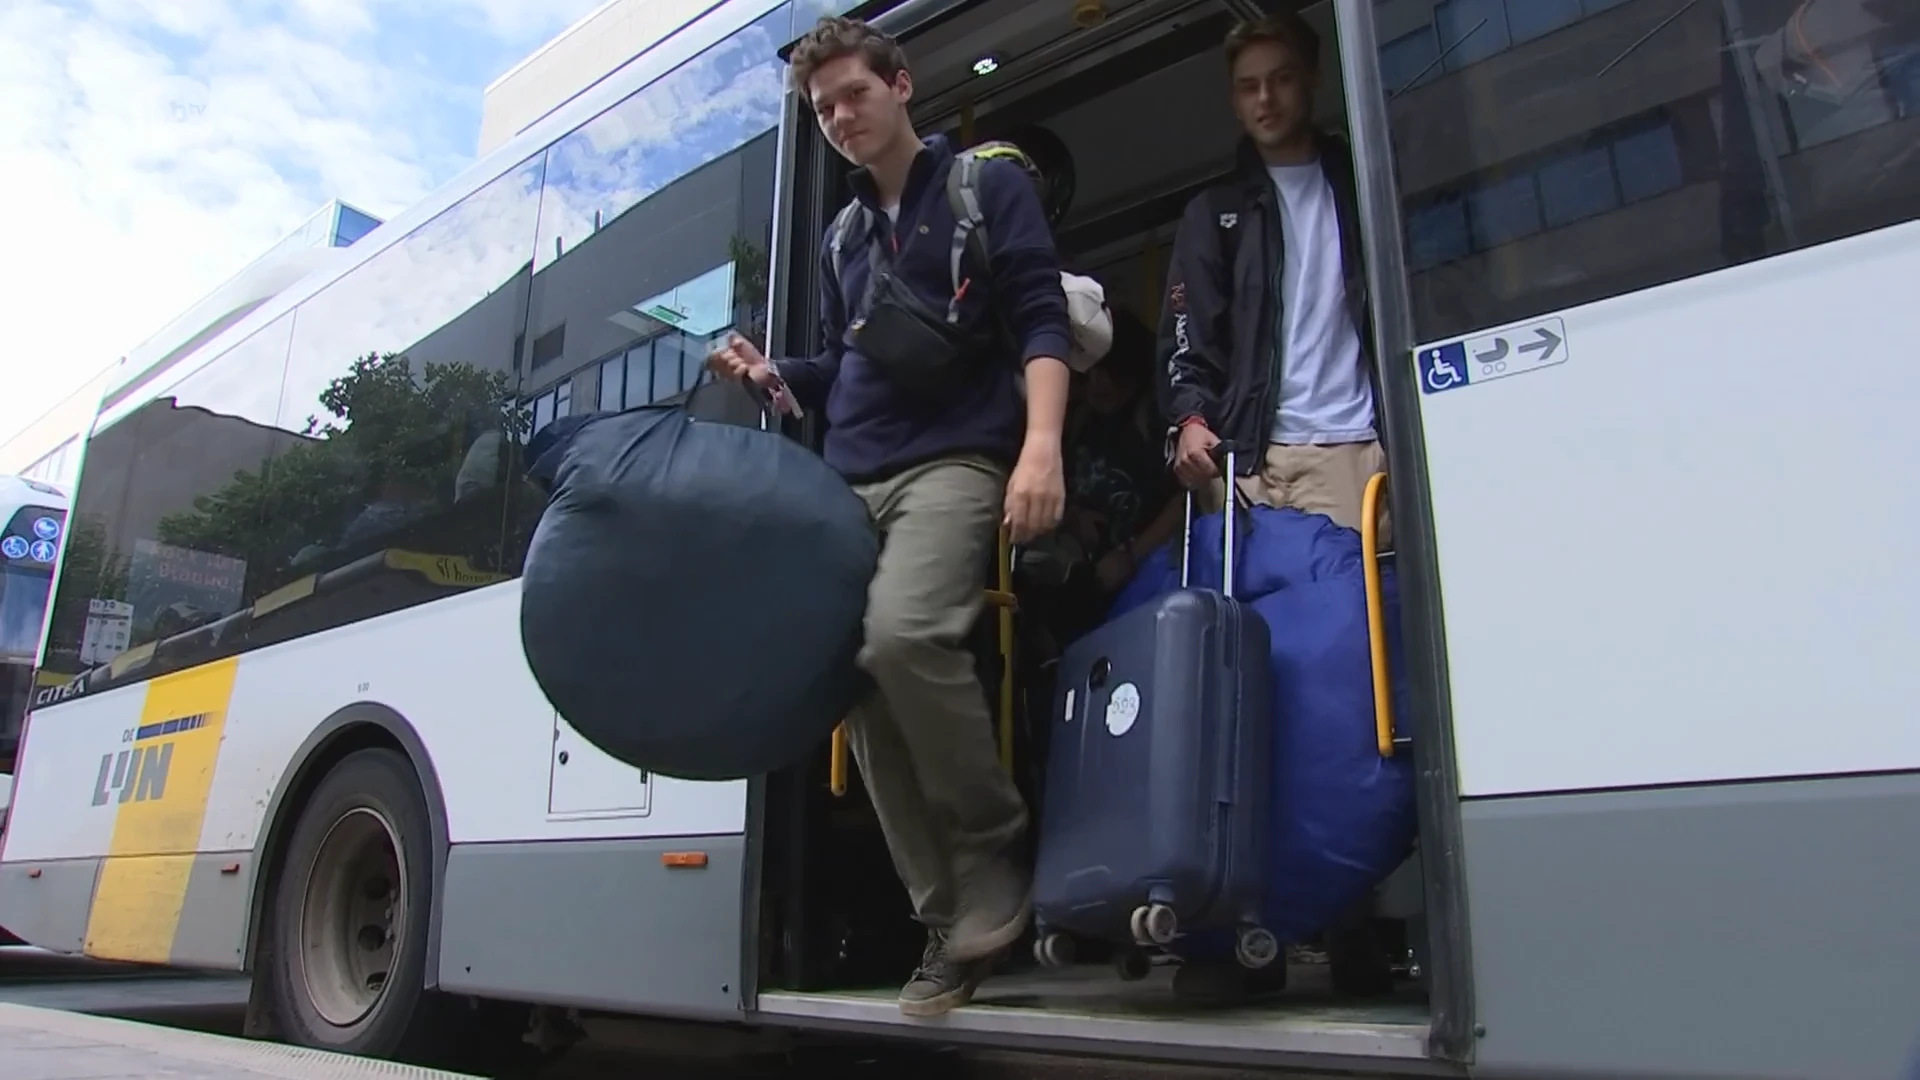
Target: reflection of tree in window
[[384, 455]]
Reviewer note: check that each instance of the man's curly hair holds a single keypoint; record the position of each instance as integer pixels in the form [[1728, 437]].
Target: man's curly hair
[[836, 36]]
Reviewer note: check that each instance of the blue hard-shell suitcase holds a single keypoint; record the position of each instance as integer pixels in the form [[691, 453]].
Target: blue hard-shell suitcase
[[1157, 804]]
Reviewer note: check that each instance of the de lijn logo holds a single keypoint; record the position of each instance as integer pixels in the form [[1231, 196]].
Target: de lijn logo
[[139, 773]]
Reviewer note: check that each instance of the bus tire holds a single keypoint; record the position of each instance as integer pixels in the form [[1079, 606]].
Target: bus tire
[[351, 907]]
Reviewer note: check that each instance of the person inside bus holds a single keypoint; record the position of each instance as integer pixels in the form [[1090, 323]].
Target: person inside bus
[[1122, 500], [940, 473], [1276, 366]]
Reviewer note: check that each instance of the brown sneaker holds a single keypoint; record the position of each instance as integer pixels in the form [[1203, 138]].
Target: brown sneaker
[[996, 904], [940, 983]]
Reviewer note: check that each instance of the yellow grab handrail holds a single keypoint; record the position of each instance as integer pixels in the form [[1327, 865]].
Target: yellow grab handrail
[[1003, 602], [837, 768], [1376, 612], [1000, 598]]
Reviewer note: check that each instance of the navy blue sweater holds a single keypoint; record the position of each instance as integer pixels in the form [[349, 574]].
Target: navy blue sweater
[[874, 430]]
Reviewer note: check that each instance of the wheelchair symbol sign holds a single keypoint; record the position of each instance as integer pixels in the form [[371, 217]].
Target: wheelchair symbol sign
[[1443, 367]]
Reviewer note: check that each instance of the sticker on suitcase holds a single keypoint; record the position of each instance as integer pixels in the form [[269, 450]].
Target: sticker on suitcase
[[1122, 708]]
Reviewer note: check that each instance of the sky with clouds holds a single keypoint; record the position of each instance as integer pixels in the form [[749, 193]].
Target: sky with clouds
[[155, 147]]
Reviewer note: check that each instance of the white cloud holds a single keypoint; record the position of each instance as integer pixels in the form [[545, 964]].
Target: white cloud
[[154, 147]]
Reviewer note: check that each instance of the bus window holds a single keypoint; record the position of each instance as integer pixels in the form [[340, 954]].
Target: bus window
[[1549, 155]]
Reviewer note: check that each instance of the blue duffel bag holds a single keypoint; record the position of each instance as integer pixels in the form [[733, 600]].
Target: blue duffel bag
[[693, 596], [1344, 815]]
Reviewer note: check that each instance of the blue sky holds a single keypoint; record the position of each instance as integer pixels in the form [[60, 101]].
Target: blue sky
[[154, 147]]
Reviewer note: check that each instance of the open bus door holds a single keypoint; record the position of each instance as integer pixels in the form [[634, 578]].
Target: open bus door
[[982, 68]]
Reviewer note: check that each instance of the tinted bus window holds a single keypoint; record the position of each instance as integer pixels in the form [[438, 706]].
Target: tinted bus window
[[1553, 152], [401, 388], [172, 535], [654, 228]]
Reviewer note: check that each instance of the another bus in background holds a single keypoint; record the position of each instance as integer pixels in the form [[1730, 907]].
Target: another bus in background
[[33, 518]]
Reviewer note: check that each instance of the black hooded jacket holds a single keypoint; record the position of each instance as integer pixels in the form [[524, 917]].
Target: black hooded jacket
[[1220, 355]]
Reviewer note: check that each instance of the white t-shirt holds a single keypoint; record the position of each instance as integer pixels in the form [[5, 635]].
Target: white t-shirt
[[1325, 397]]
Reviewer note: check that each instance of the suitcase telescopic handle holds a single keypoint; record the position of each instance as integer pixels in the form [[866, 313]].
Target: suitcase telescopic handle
[[1228, 461], [1376, 612]]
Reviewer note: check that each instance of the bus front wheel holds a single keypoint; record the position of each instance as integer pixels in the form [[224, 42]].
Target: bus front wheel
[[350, 914]]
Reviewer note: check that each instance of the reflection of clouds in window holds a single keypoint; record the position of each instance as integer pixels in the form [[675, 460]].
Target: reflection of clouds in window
[[242, 381], [707, 107], [415, 287], [245, 382]]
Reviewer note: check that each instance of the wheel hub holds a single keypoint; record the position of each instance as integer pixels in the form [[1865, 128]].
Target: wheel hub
[[352, 916]]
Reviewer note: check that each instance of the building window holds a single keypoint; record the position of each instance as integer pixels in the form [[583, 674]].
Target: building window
[[1409, 60], [552, 405], [1471, 30]]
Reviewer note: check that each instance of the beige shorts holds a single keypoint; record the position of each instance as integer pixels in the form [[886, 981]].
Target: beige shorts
[[1328, 480]]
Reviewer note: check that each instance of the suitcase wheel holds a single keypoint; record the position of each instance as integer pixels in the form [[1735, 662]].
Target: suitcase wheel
[[1053, 950], [1255, 947], [1132, 965], [1154, 924]]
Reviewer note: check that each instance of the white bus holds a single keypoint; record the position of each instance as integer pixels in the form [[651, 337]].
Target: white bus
[[1644, 273], [33, 517]]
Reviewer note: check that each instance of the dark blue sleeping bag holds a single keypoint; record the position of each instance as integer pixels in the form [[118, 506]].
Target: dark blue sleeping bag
[[693, 595], [1344, 816]]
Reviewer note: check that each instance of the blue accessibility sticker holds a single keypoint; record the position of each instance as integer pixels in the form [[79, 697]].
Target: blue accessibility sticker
[[1515, 350]]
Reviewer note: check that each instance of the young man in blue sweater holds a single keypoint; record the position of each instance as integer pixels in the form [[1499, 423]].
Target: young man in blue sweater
[[942, 462]]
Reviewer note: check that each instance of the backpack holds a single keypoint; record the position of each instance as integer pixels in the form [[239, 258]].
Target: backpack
[[969, 228]]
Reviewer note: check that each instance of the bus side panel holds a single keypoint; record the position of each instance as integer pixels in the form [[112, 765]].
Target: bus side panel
[[1679, 552], [647, 925], [57, 810], [557, 887], [1742, 930], [455, 671], [122, 784]]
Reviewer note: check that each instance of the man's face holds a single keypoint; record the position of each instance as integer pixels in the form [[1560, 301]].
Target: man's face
[[1272, 93], [859, 112]]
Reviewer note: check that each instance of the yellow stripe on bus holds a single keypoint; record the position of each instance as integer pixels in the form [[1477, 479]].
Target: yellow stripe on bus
[[162, 784]]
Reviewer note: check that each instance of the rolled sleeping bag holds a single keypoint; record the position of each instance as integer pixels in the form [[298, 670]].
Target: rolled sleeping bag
[[693, 595]]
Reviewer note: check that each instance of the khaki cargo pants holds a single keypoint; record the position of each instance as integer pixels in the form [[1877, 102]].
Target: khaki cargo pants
[[1328, 480], [924, 743]]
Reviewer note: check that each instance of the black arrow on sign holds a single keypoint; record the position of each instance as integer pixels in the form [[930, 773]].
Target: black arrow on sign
[[1548, 342]]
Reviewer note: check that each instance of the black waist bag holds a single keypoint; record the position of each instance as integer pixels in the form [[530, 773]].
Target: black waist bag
[[925, 352]]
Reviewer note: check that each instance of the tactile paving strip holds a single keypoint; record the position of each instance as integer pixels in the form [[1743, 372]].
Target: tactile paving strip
[[53, 1030]]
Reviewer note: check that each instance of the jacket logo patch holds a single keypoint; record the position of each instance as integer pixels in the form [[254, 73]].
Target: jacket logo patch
[[1177, 297], [1228, 221]]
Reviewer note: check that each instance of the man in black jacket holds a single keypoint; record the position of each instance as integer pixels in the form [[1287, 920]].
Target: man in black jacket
[[940, 472], [1264, 334]]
